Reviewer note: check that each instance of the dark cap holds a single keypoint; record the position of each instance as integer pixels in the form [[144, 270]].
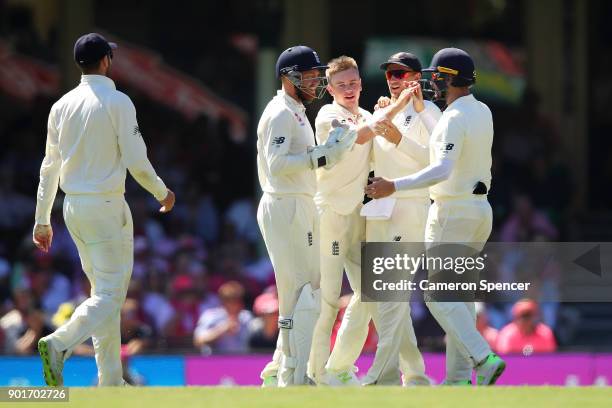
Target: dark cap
[[405, 59], [298, 58], [453, 61], [91, 48]]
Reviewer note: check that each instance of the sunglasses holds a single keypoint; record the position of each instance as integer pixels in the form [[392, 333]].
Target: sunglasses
[[398, 74]]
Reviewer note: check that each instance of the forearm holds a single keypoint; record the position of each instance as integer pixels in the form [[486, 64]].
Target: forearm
[[364, 134], [415, 150], [392, 110], [429, 120], [286, 164], [430, 175], [47, 190], [145, 175]]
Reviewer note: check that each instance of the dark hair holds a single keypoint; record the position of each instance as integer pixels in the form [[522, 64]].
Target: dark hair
[[91, 67], [460, 81]]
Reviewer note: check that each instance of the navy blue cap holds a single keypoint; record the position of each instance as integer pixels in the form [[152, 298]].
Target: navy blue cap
[[453, 61], [405, 59], [91, 48], [299, 58]]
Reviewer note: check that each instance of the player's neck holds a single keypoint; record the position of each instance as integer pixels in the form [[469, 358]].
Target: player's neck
[[291, 92], [455, 94], [353, 109]]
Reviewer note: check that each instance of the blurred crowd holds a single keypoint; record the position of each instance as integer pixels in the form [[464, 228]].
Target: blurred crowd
[[202, 280]]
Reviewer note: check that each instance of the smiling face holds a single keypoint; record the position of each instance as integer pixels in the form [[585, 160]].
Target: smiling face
[[345, 88], [397, 75]]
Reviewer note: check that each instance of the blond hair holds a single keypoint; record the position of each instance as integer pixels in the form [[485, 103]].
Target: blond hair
[[342, 63]]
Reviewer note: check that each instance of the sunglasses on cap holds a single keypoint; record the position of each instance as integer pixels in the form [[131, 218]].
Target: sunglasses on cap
[[398, 74]]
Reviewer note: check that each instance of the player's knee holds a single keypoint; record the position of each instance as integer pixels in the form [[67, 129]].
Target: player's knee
[[108, 300], [441, 307]]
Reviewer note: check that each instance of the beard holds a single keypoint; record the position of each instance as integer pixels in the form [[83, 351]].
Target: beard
[[305, 97]]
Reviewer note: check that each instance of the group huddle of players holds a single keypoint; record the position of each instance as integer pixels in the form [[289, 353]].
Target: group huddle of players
[[432, 174]]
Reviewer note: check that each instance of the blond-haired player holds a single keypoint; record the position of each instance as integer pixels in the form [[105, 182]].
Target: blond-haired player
[[339, 196], [403, 149]]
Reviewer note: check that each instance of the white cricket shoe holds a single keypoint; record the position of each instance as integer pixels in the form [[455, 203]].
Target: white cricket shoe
[[342, 379], [415, 382], [52, 361]]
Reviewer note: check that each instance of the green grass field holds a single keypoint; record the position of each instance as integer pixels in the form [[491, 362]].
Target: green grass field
[[311, 397]]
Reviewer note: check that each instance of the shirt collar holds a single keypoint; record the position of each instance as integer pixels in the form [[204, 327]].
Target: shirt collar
[[98, 79], [293, 104], [346, 111], [462, 100]]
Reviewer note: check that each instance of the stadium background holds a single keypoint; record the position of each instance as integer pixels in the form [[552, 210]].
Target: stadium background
[[200, 74]]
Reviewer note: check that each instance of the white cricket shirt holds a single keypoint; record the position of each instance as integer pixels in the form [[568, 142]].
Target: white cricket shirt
[[284, 130], [92, 138], [393, 161], [465, 135], [341, 187]]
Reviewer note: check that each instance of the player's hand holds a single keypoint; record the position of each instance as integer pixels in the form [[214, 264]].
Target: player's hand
[[379, 188], [417, 97], [406, 94], [382, 102], [388, 130], [167, 203], [42, 237]]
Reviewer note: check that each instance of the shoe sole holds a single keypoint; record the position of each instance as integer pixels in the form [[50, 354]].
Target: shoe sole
[[498, 372], [43, 350]]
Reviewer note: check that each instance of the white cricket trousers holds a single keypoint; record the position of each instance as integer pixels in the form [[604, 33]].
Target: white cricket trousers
[[466, 220], [341, 238], [289, 225], [397, 344], [101, 227]]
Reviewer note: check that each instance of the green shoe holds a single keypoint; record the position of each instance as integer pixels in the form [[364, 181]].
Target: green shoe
[[457, 383], [52, 361], [270, 381], [489, 370]]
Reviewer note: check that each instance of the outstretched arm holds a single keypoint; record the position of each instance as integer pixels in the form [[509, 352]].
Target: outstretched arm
[[430, 175]]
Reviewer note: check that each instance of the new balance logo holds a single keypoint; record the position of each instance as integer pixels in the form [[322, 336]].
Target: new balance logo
[[335, 248], [397, 238], [279, 140], [407, 121], [285, 324], [309, 238]]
